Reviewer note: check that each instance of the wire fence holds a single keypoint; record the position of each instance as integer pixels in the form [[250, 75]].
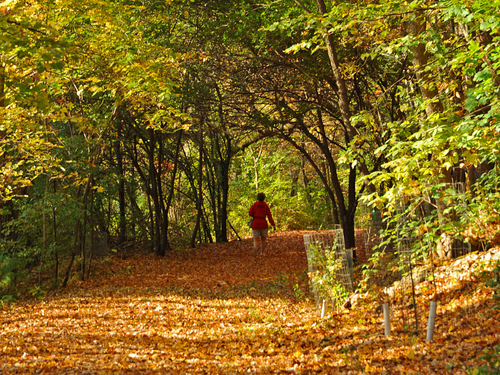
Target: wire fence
[[323, 243]]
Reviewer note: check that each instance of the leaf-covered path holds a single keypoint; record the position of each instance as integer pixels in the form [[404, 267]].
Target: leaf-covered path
[[221, 310]]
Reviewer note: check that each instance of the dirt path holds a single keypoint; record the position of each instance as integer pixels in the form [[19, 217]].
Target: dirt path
[[219, 310]]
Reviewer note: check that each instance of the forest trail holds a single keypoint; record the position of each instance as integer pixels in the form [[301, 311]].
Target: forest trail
[[220, 310]]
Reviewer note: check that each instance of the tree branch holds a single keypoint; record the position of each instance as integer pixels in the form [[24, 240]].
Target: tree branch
[[301, 4], [28, 28]]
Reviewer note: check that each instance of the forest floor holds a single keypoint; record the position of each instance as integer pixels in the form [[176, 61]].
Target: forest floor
[[219, 309]]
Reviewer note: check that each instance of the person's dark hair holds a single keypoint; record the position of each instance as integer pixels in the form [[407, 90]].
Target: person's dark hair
[[261, 197]]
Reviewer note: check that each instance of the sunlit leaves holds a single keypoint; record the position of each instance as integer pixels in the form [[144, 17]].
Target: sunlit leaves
[[157, 315]]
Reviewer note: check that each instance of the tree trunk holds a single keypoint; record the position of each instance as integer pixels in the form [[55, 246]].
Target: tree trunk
[[2, 135], [91, 254], [343, 102], [430, 94], [147, 184], [199, 195], [83, 245], [154, 193], [225, 165], [343, 98], [420, 59], [172, 189], [73, 254], [122, 236], [56, 252], [2, 88], [164, 245]]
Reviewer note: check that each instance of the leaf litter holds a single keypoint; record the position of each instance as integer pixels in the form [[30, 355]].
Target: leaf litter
[[219, 309]]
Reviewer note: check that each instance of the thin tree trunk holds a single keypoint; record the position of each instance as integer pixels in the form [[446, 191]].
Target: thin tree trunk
[[346, 213], [91, 231], [223, 163], [225, 190], [122, 233], [430, 94], [171, 192], [73, 255], [56, 252], [78, 234], [45, 242], [154, 193], [164, 245], [256, 166], [147, 183], [2, 133], [343, 98], [83, 250], [2, 88], [420, 59], [152, 225], [199, 198]]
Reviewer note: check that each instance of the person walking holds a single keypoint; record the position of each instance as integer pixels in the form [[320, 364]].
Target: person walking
[[259, 211]]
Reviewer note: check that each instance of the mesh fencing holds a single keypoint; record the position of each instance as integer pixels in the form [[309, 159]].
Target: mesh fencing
[[323, 242]]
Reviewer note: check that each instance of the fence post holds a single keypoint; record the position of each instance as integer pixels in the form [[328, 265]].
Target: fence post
[[387, 319], [432, 318]]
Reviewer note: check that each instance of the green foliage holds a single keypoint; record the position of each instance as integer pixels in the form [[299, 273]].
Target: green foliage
[[485, 205], [279, 172], [453, 137], [299, 293], [325, 280], [38, 293], [11, 269], [492, 365], [492, 279], [382, 269], [85, 81], [7, 299]]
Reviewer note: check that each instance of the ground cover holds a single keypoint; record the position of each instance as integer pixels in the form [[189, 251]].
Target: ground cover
[[219, 309]]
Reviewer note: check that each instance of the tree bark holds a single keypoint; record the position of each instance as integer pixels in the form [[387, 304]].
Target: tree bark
[[73, 254], [171, 192], [343, 98], [2, 135], [83, 245], [122, 236], [346, 213], [154, 192], [164, 244], [56, 252], [420, 59], [199, 195], [434, 105], [91, 254]]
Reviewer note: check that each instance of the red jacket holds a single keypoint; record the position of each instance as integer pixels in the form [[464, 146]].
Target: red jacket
[[259, 211]]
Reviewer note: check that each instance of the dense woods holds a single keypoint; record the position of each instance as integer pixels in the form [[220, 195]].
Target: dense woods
[[154, 124]]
